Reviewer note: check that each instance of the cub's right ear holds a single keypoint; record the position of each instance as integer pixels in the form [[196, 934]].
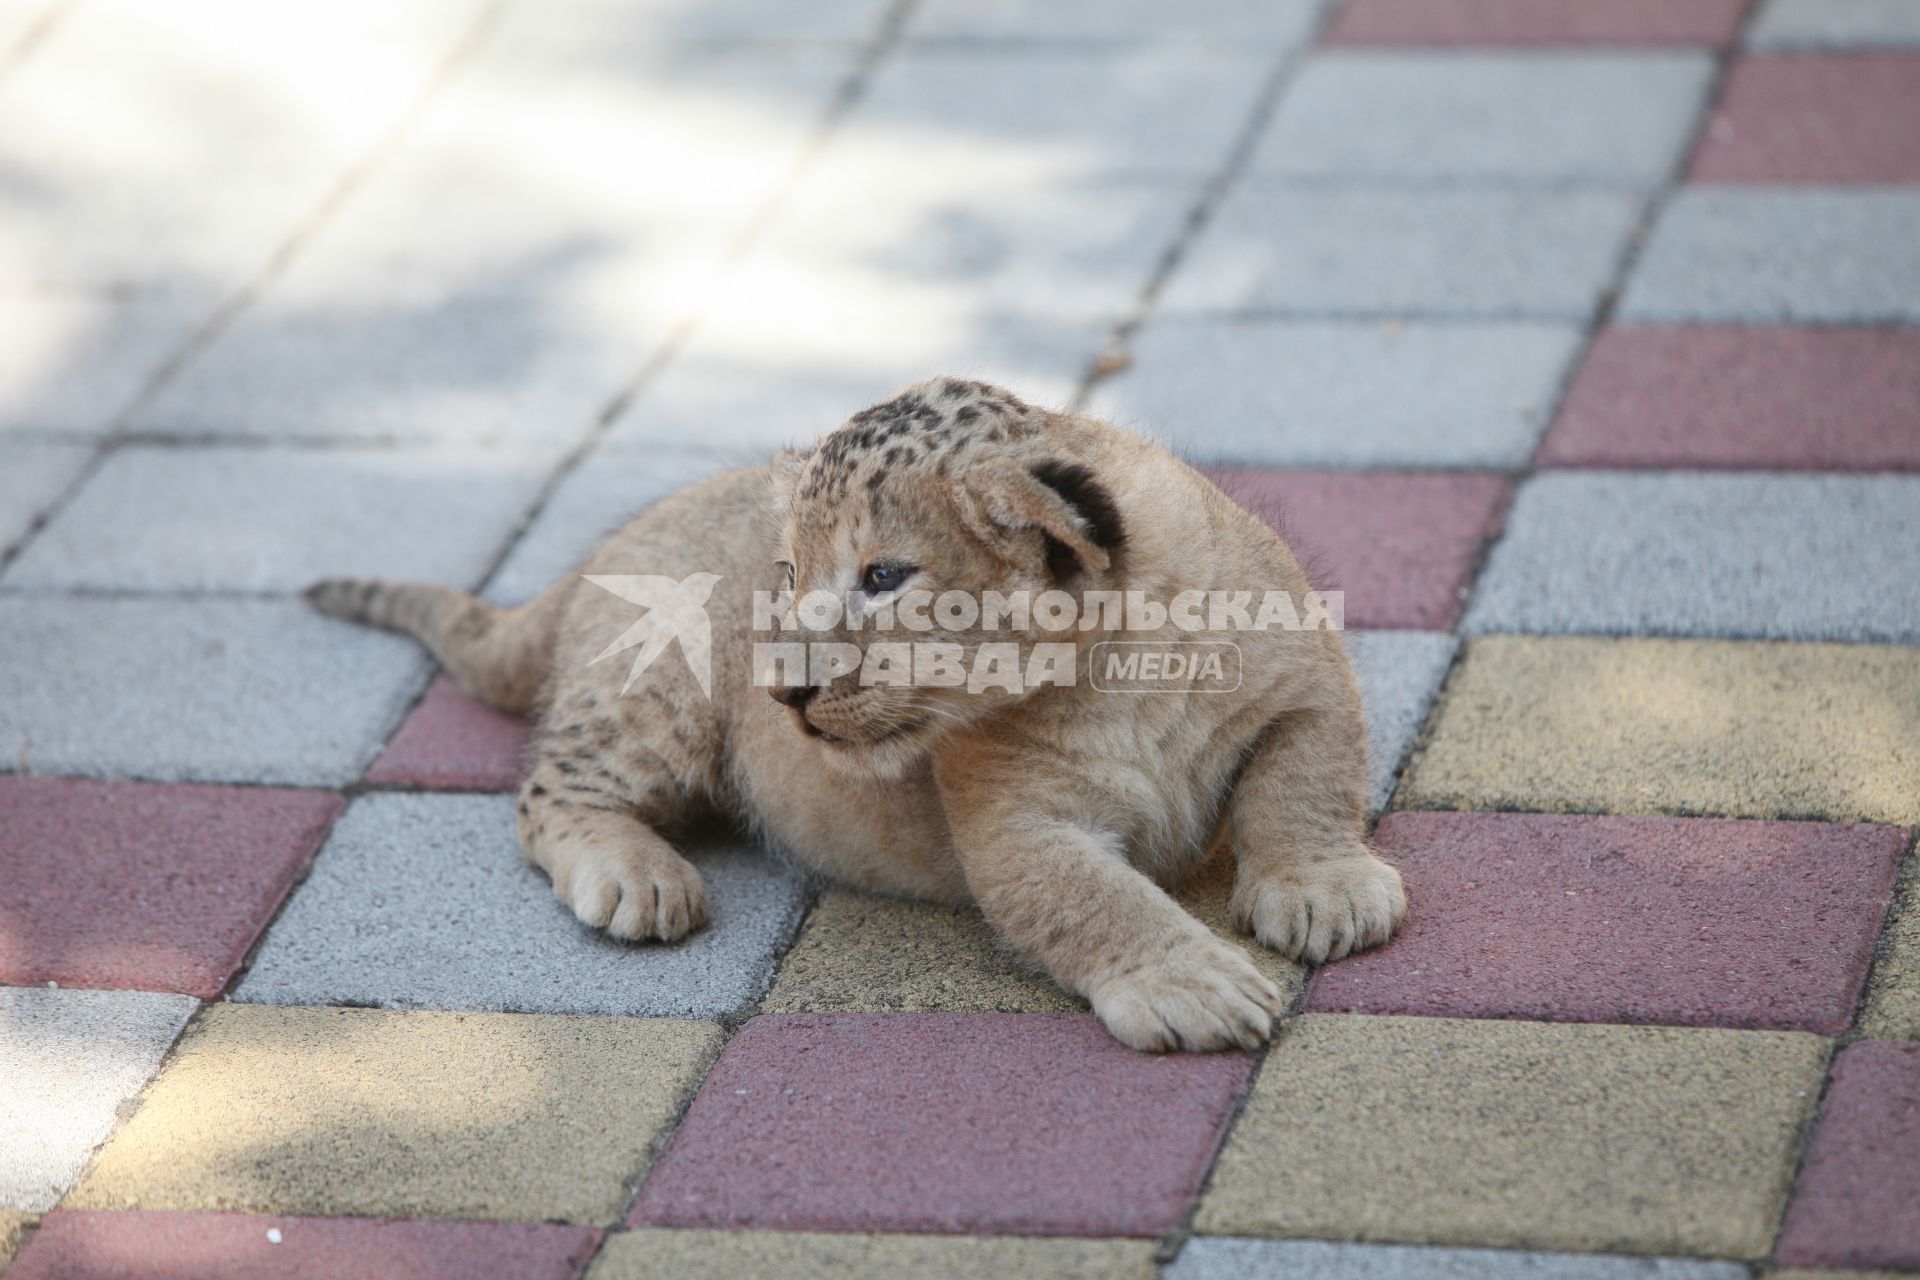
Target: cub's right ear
[[783, 475]]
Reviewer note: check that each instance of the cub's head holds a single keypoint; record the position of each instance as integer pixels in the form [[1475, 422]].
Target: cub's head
[[913, 539]]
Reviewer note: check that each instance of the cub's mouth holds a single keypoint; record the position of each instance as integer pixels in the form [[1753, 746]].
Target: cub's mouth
[[815, 731], [844, 742]]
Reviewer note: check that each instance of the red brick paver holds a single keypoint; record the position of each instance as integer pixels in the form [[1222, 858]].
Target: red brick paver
[[233, 1246], [1691, 922], [1857, 1203], [1841, 399], [1032, 1124], [452, 743], [1504, 22], [1815, 118], [1401, 545], [143, 885]]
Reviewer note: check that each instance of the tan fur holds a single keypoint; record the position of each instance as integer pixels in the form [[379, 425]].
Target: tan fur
[[1062, 812]]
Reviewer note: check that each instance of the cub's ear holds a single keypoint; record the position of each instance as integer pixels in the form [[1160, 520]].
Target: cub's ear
[[1063, 500], [783, 475]]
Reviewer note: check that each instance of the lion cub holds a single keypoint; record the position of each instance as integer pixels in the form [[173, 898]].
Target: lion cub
[[1058, 808]]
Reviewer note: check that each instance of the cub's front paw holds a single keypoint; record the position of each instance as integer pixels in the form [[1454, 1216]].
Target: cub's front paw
[[636, 897], [1322, 910], [1199, 994]]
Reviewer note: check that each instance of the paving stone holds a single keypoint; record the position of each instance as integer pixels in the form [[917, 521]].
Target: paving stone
[[1692, 922], [68, 1060], [1523, 1135], [1815, 399], [134, 884], [1221, 1258], [1025, 1124], [1893, 993], [495, 199], [452, 743], [71, 362], [1536, 22], [1706, 553], [1602, 117], [32, 476], [1358, 251], [593, 500], [464, 370], [232, 1246], [197, 690], [1272, 28], [1678, 727], [364, 1112], [886, 231], [20, 22], [975, 184], [1344, 395], [13, 1227], [496, 280], [103, 134], [760, 376], [1834, 24], [1157, 111], [1814, 118], [1401, 545], [865, 954], [425, 901], [1399, 674], [1771, 255], [239, 519], [1853, 1204], [684, 24], [801, 1255]]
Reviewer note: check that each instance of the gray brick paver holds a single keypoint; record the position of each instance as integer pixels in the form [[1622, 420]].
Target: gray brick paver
[[1355, 250], [1781, 255], [202, 690], [275, 520], [68, 1061], [424, 901], [1357, 393], [1691, 553], [1599, 117]]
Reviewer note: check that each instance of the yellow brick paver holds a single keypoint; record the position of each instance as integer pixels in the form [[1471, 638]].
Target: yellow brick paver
[[1893, 992], [380, 1113], [1742, 729], [728, 1255], [13, 1225], [861, 953], [1643, 1140], [864, 954]]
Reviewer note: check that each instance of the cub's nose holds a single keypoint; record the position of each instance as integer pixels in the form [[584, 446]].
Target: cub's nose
[[797, 696]]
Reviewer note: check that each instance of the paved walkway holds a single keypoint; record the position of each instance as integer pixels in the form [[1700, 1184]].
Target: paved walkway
[[1580, 341]]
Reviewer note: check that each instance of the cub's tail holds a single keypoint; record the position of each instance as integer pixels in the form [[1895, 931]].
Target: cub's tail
[[500, 656]]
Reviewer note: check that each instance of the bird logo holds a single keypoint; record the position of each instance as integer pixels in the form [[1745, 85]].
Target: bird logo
[[674, 611]]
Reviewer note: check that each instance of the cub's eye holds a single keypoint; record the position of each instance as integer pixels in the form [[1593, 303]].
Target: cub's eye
[[786, 568], [882, 578]]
